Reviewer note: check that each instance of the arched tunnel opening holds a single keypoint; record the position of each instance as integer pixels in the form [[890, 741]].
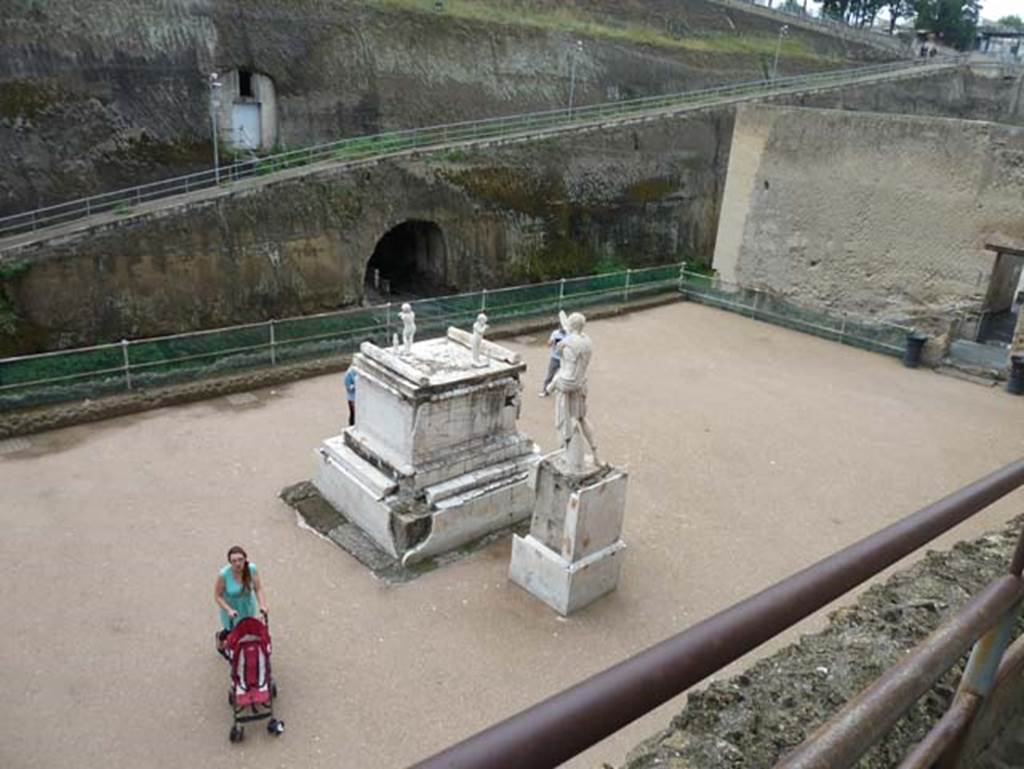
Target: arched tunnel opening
[[409, 261]]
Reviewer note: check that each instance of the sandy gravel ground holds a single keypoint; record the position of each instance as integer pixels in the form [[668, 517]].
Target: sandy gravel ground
[[753, 451]]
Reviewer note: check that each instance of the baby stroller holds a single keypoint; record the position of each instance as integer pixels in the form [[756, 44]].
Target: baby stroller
[[252, 692]]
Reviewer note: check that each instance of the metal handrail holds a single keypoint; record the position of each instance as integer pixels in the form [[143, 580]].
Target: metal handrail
[[372, 147], [566, 724]]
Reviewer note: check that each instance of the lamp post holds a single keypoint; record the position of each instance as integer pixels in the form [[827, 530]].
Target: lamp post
[[574, 54], [783, 31], [215, 85]]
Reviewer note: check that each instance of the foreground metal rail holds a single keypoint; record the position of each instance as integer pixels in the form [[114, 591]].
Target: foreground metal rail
[[564, 725], [867, 717], [362, 149]]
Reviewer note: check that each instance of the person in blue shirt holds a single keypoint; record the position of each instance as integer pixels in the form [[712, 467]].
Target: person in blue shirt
[[554, 360], [350, 394], [238, 592]]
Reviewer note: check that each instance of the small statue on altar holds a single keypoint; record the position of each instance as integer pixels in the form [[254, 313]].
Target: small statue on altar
[[408, 318], [479, 329]]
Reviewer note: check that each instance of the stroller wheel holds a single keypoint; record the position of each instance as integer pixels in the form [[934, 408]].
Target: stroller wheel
[[275, 727], [273, 689], [237, 733]]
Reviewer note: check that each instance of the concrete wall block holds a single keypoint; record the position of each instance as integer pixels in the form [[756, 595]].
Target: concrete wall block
[[564, 586], [594, 517]]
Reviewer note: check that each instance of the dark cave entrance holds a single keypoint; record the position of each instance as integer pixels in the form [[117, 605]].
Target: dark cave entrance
[[409, 261]]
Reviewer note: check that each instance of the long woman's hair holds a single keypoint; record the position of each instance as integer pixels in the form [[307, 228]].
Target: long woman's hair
[[246, 574]]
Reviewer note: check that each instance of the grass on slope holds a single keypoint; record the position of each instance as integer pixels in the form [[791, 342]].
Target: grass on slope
[[571, 21]]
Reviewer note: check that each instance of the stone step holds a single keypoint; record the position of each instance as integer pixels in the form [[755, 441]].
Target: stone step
[[968, 374], [477, 457], [379, 484], [484, 479]]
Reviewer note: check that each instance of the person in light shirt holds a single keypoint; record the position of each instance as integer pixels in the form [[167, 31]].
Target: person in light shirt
[[554, 359]]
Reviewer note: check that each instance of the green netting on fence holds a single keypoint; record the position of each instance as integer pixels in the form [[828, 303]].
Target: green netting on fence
[[578, 288], [331, 333], [61, 365], [63, 376], [876, 336], [653, 280], [106, 369]]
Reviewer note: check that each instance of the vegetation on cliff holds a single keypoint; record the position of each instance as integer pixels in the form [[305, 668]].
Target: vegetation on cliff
[[577, 22]]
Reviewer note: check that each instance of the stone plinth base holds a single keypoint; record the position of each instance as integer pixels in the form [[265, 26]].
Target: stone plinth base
[[564, 585], [573, 554]]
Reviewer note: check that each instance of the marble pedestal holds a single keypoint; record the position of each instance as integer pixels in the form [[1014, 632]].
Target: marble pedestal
[[435, 459], [573, 553]]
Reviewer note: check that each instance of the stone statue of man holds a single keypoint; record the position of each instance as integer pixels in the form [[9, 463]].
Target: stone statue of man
[[570, 387], [408, 327], [479, 329]]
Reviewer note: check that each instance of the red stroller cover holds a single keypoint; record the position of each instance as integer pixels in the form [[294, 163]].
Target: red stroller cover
[[248, 649]]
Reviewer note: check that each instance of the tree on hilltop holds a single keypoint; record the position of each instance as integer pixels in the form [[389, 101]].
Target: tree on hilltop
[[954, 22]]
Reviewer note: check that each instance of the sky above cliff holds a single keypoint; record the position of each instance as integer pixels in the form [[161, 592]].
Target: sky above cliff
[[996, 9]]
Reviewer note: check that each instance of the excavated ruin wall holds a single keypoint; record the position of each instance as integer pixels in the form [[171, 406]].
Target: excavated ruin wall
[[875, 214], [574, 204], [620, 196]]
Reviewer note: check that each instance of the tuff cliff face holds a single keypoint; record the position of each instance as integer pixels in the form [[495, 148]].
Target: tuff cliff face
[[620, 196], [110, 93], [627, 197], [875, 214]]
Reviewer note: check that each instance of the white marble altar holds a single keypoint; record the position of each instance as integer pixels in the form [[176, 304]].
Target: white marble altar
[[435, 459]]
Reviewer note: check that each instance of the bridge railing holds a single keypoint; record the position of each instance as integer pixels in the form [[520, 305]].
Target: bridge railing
[[137, 364], [564, 725], [371, 148]]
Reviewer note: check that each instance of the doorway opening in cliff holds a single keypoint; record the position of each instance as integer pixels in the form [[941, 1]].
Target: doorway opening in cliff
[[1004, 297], [409, 261]]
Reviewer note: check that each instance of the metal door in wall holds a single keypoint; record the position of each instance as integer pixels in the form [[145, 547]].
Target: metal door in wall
[[245, 125]]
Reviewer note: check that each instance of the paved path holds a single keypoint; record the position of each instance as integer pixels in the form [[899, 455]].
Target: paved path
[[754, 450]]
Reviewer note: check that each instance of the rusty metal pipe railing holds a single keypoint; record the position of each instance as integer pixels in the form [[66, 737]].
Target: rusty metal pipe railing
[[1017, 564], [983, 666], [966, 708], [948, 730], [867, 717], [553, 731], [945, 742]]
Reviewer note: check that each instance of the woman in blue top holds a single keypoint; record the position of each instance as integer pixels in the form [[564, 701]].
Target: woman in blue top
[[238, 592]]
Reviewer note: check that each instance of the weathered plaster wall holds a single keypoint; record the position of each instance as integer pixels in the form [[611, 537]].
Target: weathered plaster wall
[[111, 93], [512, 214], [878, 214]]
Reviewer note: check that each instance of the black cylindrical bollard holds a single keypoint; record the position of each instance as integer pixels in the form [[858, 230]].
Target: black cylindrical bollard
[[912, 354], [1015, 384]]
